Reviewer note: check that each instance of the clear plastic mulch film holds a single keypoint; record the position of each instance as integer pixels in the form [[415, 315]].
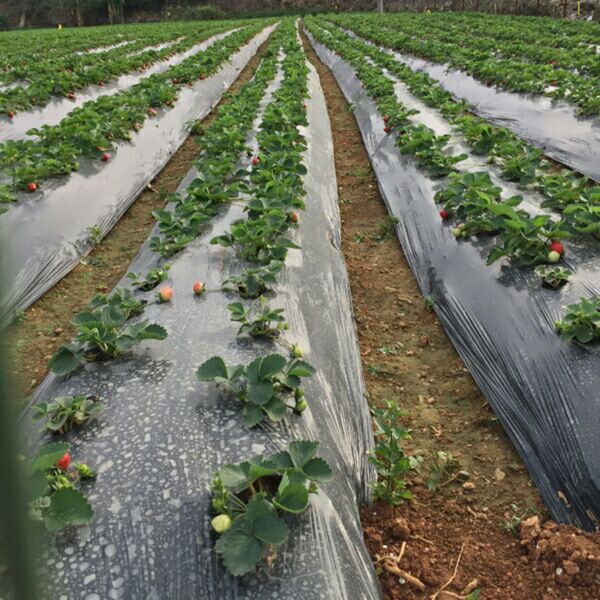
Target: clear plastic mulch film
[[553, 126], [56, 110], [46, 236], [500, 319], [163, 434]]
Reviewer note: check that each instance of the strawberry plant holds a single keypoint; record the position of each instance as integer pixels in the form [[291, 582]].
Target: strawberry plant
[[66, 412], [55, 500], [259, 320], [153, 278], [252, 497], [553, 277], [525, 240], [581, 322], [265, 386], [252, 283], [99, 332]]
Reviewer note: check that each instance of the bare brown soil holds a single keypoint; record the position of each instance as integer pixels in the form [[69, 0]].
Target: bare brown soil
[[47, 324], [484, 492]]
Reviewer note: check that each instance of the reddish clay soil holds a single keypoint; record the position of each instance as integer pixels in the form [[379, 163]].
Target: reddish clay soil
[[484, 494]]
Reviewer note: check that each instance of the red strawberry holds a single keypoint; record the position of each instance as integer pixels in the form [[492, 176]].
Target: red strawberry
[[11, 114], [255, 160], [64, 462], [385, 118], [165, 294], [444, 214], [105, 157], [201, 78], [556, 246], [32, 187], [387, 129], [198, 288], [71, 95], [294, 216]]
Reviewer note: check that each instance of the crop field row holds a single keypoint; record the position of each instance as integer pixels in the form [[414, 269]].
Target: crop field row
[[65, 76], [228, 351], [495, 62], [573, 195]]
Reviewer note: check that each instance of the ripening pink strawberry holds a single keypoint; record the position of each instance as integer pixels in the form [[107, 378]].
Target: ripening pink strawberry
[[11, 114], [165, 294], [152, 112], [198, 288], [64, 462], [294, 216]]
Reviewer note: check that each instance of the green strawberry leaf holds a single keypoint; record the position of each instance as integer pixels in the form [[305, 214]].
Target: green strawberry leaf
[[48, 456], [68, 507]]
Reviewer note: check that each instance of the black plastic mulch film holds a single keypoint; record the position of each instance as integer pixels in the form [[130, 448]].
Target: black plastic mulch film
[[545, 391], [46, 236], [163, 435]]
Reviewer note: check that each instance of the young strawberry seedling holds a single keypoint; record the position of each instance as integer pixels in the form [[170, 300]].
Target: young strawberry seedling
[[265, 386], [581, 322], [99, 332], [153, 278], [254, 282], [259, 320], [66, 412]]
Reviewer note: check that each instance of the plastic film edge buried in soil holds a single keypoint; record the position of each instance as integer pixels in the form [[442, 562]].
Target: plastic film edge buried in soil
[[501, 322], [163, 435]]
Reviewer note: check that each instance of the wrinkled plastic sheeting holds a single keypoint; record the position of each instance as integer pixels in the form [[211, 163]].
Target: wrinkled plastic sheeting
[[553, 126], [544, 391], [56, 110], [163, 434], [47, 234]]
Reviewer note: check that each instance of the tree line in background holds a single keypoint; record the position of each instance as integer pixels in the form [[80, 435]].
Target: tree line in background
[[36, 13]]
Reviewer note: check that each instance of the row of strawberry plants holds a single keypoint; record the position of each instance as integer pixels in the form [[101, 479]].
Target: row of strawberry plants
[[24, 63], [104, 333], [549, 31], [538, 49], [250, 499], [65, 77], [508, 74], [565, 191], [23, 49], [93, 129], [523, 239]]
